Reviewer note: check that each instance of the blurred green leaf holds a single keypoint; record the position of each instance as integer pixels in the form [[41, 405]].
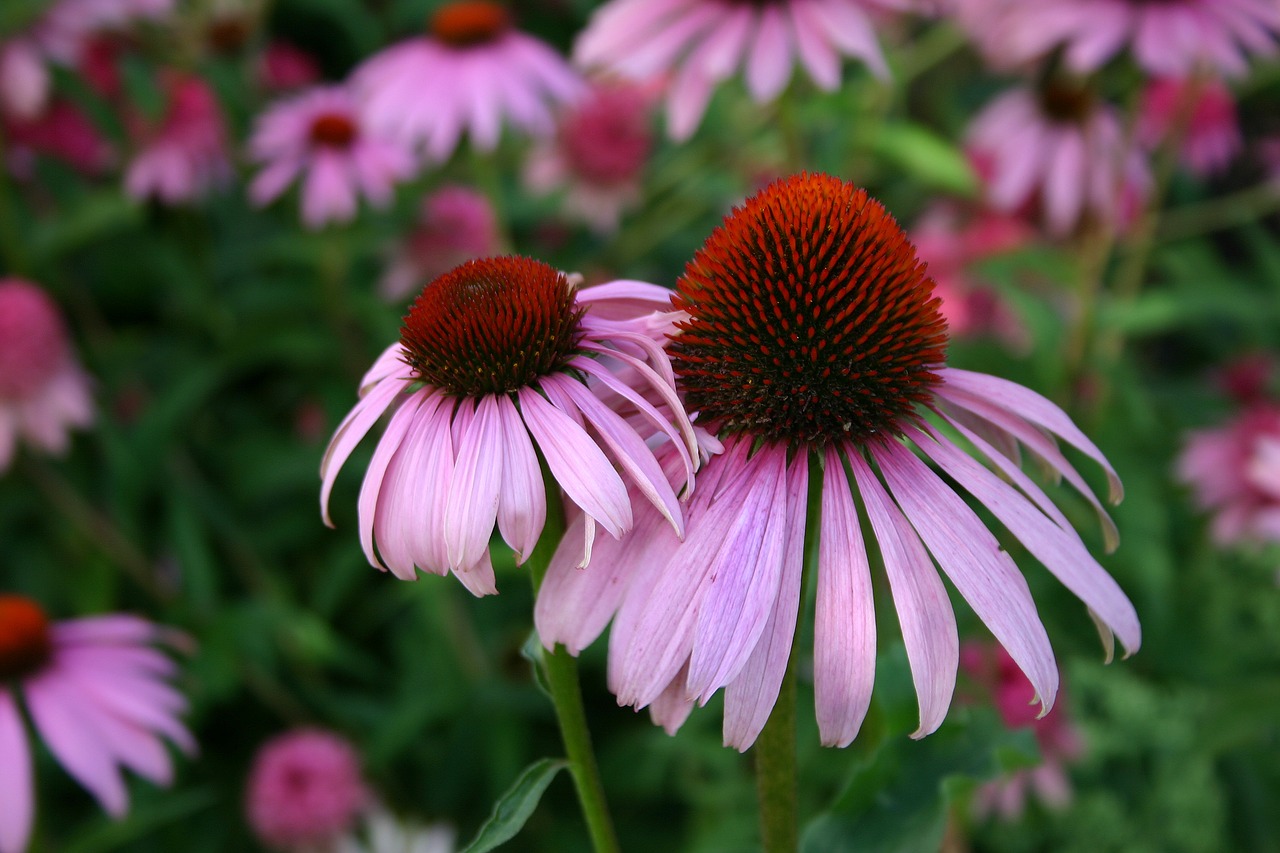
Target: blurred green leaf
[[926, 156], [514, 808]]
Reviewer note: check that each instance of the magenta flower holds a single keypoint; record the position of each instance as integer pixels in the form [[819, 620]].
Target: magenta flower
[[1060, 147], [184, 155], [1202, 114], [597, 156], [98, 695], [702, 43], [305, 790], [285, 68], [1234, 474], [43, 390], [495, 356], [470, 72], [1059, 742], [812, 341], [1168, 38], [456, 224], [319, 139], [61, 132]]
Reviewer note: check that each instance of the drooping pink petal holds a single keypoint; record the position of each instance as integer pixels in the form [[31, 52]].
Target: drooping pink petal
[[522, 498], [17, 789], [368, 502], [471, 507], [77, 743]]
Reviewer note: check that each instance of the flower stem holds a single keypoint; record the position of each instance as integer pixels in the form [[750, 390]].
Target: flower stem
[[561, 669]]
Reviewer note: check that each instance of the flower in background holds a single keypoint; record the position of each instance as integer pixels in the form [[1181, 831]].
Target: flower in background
[[472, 70], [701, 43], [285, 68], [950, 246], [384, 833], [1200, 114], [1058, 740], [97, 693], [1234, 474], [61, 132], [811, 338], [1247, 378], [305, 790], [183, 155], [1168, 37], [598, 155], [455, 224], [494, 356], [43, 391], [24, 79], [319, 139], [1058, 146]]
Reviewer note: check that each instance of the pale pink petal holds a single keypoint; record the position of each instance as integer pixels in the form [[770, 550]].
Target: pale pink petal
[[522, 496], [17, 788], [471, 507], [769, 65], [382, 455], [78, 744]]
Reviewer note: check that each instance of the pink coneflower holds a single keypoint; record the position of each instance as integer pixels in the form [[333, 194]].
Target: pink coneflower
[[455, 224], [1234, 474], [495, 356], [598, 155], [1058, 740], [24, 79], [62, 132], [318, 138], [1060, 146], [1201, 112], [285, 68], [98, 696], [951, 244], [305, 790], [43, 391], [472, 70], [701, 43], [1167, 37], [812, 340], [184, 155]]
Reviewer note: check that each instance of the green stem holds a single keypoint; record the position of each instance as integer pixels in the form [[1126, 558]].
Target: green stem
[[1228, 211], [13, 246], [561, 669]]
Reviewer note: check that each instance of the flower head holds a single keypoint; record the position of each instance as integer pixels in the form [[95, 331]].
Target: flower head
[[97, 693], [470, 71], [319, 139], [1057, 147], [286, 68], [1234, 474], [456, 224], [495, 356], [183, 155], [811, 340], [598, 155], [1201, 113], [305, 790], [43, 391], [701, 43], [63, 132]]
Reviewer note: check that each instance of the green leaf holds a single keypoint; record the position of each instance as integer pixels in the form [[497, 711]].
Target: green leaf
[[926, 156], [95, 217], [145, 819], [532, 652], [517, 804], [897, 802]]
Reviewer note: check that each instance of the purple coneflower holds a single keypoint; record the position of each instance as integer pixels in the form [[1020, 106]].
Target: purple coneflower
[[1201, 113], [1059, 146], [812, 338], [1234, 473], [319, 139], [472, 70], [97, 693], [455, 224], [43, 390], [494, 357], [701, 43], [183, 155], [305, 790]]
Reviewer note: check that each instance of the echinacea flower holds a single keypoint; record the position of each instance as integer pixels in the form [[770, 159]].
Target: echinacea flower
[[97, 693], [702, 43], [455, 224], [1057, 145], [183, 155], [24, 79], [319, 139], [494, 357], [286, 68], [812, 341], [1170, 38], [1057, 738], [472, 70], [43, 390], [63, 132], [1199, 114], [305, 790], [1234, 474], [598, 155]]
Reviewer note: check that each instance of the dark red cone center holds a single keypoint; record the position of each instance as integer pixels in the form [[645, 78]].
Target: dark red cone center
[[25, 642], [334, 130], [811, 319], [470, 22], [492, 326]]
